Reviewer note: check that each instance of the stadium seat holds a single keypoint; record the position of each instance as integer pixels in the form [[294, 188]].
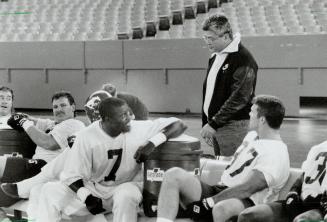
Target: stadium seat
[[39, 20], [201, 7], [122, 36], [151, 29], [177, 17], [189, 12], [164, 23], [212, 4], [137, 33]]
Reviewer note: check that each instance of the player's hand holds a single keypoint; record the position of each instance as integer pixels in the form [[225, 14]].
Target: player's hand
[[207, 133], [71, 140], [142, 153], [17, 120], [175, 129], [199, 209], [94, 205], [292, 201]]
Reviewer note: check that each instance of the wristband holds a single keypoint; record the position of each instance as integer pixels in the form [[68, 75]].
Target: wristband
[[83, 193], [27, 124], [292, 192], [210, 202], [158, 139]]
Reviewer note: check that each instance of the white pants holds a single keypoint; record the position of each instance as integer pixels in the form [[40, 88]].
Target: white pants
[[50, 172], [54, 199]]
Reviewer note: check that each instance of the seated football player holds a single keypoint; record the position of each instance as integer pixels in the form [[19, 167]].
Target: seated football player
[[251, 178], [50, 136], [6, 106], [102, 170], [15, 191], [306, 200]]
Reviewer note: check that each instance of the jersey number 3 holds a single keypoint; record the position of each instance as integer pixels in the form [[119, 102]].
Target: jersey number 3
[[321, 168], [111, 154]]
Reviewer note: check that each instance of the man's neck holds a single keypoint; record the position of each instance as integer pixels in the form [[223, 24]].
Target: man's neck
[[110, 131], [269, 134]]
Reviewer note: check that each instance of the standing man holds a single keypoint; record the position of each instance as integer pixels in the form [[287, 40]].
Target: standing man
[[228, 88], [251, 178], [138, 108]]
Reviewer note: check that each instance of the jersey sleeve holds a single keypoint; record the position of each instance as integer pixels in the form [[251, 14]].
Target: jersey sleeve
[[44, 124], [62, 131], [274, 166], [159, 124], [79, 162]]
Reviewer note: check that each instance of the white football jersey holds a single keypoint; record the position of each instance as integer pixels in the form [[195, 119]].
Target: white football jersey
[[270, 157], [59, 132], [314, 168], [103, 161]]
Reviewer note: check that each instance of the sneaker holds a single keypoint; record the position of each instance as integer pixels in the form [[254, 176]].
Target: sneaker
[[10, 189], [5, 199]]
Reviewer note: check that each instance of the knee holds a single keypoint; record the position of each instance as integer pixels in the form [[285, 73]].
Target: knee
[[255, 214], [48, 188], [220, 212], [127, 195], [310, 215], [247, 216], [174, 175]]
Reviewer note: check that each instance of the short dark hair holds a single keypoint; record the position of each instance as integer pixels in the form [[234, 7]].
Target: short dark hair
[[110, 88], [220, 23], [271, 108], [108, 105], [7, 89], [64, 93]]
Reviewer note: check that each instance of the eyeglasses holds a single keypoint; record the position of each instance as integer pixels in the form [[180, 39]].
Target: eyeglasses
[[213, 38]]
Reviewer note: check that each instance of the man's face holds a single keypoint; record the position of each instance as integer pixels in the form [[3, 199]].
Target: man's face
[[121, 119], [254, 119], [215, 42], [6, 103], [62, 110]]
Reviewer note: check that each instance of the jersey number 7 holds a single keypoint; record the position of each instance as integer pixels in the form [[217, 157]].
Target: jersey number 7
[[245, 164], [111, 154]]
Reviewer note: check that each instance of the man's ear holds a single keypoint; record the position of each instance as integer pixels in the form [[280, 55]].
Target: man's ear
[[263, 119]]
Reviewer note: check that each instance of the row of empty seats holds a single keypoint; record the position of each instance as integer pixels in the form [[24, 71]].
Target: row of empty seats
[[53, 20]]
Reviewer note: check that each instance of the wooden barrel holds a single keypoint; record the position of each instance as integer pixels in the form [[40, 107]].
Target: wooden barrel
[[14, 141]]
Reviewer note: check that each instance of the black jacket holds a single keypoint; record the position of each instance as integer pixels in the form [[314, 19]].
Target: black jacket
[[234, 89]]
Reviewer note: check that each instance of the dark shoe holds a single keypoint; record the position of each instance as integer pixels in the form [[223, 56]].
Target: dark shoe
[[10, 189], [5, 199]]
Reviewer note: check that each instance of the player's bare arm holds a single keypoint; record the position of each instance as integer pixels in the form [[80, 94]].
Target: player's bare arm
[[173, 130], [255, 182], [24, 122]]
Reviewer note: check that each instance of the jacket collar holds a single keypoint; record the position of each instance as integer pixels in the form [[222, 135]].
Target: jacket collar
[[232, 47]]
